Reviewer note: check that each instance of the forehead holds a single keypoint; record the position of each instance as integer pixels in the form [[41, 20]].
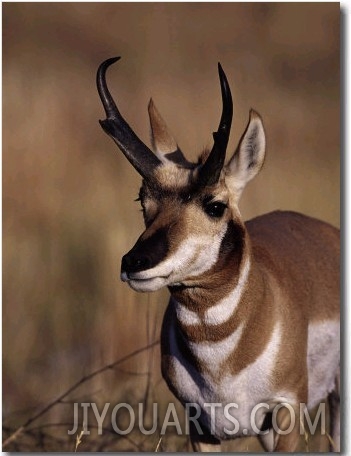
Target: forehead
[[169, 182], [172, 177], [173, 182]]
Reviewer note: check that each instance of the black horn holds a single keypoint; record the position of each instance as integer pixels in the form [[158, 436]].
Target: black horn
[[139, 155], [210, 171]]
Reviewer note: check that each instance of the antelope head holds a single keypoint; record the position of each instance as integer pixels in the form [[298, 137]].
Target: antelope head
[[193, 224]]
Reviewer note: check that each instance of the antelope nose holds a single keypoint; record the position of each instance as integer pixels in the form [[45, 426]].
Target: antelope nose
[[134, 262]]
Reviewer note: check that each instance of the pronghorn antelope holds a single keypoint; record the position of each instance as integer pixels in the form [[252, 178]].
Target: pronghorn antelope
[[254, 311]]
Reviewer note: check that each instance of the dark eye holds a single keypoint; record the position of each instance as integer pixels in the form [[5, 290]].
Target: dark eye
[[215, 209]]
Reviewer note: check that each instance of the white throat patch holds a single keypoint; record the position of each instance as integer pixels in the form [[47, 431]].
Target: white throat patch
[[223, 310]]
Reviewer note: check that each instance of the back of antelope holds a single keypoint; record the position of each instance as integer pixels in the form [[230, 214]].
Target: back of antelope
[[254, 311]]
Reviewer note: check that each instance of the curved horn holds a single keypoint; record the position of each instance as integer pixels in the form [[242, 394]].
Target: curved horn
[[139, 155], [210, 171]]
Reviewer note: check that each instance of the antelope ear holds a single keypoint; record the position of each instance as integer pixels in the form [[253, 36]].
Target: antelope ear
[[249, 155], [163, 143]]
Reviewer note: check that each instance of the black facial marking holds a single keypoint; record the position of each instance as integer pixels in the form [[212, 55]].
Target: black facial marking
[[155, 191], [146, 253], [232, 245]]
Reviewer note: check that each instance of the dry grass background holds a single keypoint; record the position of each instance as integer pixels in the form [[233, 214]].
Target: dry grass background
[[68, 192]]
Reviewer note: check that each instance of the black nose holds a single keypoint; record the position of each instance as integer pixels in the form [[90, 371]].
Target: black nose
[[134, 262], [146, 253]]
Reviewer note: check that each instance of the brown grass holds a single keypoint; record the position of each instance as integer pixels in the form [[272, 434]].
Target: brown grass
[[68, 192]]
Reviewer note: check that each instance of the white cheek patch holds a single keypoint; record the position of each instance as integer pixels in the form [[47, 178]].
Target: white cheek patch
[[194, 256]]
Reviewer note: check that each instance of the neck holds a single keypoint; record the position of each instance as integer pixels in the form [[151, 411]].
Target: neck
[[200, 292], [226, 323], [210, 307], [237, 325]]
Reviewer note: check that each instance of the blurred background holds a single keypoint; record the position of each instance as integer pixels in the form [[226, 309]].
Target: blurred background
[[68, 209]]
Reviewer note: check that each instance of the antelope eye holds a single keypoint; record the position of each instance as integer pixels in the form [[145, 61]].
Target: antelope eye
[[215, 209]]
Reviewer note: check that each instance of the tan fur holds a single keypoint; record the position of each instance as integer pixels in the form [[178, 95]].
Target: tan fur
[[170, 176]]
